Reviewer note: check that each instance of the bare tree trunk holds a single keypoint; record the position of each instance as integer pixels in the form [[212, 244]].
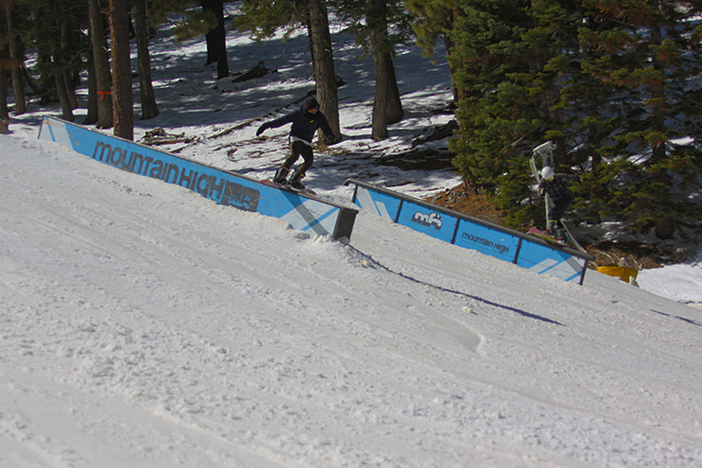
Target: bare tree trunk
[[387, 107], [323, 63], [69, 79], [122, 93], [66, 107], [72, 81], [394, 104], [4, 74], [217, 38], [149, 109], [15, 56], [102, 65], [459, 93], [4, 114], [92, 116]]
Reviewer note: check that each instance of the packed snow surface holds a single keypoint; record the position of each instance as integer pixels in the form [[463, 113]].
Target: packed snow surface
[[143, 325]]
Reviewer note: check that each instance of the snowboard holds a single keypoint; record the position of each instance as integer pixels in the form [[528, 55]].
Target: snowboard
[[290, 188], [572, 242], [572, 239], [542, 235]]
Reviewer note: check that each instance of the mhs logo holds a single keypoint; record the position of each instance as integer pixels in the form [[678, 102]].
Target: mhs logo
[[430, 220], [215, 188]]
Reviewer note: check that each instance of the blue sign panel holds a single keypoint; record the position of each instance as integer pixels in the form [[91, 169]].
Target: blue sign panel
[[486, 240], [301, 212], [465, 231], [430, 222], [546, 260], [385, 206]]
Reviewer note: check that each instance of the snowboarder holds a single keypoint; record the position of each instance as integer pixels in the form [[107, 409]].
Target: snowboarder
[[554, 185], [305, 122]]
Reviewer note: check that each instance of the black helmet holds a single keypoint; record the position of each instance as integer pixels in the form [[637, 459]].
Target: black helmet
[[310, 103]]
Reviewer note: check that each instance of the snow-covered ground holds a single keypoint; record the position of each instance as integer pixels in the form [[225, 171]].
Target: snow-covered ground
[[143, 325]]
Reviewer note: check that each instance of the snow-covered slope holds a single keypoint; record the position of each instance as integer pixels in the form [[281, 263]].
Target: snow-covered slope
[[143, 325]]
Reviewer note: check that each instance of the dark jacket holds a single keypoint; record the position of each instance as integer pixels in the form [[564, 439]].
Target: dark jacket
[[557, 188], [304, 123]]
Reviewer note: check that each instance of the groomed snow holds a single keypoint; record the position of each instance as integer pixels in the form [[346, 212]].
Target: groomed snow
[[144, 325]]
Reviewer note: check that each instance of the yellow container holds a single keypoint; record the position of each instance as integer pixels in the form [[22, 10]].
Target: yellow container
[[623, 273]]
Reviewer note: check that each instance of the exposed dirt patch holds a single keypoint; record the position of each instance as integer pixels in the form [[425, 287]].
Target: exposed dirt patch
[[638, 255], [466, 202]]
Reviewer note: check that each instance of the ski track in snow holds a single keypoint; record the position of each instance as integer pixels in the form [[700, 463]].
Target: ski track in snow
[[143, 325]]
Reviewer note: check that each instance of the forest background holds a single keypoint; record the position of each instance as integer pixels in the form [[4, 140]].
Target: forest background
[[615, 85]]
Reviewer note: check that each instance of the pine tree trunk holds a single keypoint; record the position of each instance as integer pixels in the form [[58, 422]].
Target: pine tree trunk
[[102, 65], [92, 115], [122, 93], [4, 114], [387, 108], [15, 55], [63, 97], [64, 58], [207, 5], [70, 80], [61, 73], [217, 38], [394, 104], [149, 109], [323, 63], [4, 74], [459, 94]]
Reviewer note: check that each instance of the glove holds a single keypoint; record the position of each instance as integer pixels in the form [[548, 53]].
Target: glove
[[261, 129], [329, 139]]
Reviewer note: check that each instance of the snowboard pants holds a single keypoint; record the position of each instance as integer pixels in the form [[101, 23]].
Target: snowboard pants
[[297, 149], [560, 207]]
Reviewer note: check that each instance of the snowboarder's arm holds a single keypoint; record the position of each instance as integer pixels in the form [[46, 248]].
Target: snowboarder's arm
[[542, 185], [569, 177], [328, 132], [276, 123], [288, 118]]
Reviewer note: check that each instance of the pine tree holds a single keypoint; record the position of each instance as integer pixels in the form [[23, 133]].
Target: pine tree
[[122, 94], [5, 66], [191, 22], [15, 59], [101, 64], [149, 108], [612, 83], [323, 64], [55, 30], [504, 102], [387, 107], [216, 37], [379, 25], [647, 55], [435, 21], [264, 18]]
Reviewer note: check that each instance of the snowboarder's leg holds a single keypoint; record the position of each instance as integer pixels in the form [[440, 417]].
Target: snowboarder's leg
[[308, 155], [555, 226], [282, 174], [559, 209], [295, 178]]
